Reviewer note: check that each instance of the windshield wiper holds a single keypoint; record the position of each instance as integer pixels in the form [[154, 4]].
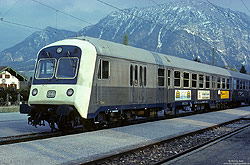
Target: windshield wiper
[[72, 63], [52, 61]]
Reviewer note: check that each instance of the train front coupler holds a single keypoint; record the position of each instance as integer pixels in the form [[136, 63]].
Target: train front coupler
[[35, 118]]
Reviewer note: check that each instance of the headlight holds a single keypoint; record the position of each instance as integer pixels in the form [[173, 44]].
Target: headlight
[[70, 92], [59, 50], [34, 92]]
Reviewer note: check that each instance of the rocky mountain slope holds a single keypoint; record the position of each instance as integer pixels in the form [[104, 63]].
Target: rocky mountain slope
[[187, 29], [23, 55]]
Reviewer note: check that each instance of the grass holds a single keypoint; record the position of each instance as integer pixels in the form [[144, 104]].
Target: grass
[[9, 109]]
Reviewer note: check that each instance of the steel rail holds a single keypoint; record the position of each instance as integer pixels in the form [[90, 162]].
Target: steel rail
[[114, 157]]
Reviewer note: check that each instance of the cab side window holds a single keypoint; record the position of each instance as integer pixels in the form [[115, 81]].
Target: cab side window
[[104, 69]]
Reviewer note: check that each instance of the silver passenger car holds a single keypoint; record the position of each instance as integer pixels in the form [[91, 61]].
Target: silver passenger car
[[86, 80]]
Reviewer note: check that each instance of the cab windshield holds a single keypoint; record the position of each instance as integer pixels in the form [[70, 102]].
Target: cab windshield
[[46, 68], [66, 68]]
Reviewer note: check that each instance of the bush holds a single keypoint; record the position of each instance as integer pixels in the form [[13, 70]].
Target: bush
[[13, 93], [24, 92]]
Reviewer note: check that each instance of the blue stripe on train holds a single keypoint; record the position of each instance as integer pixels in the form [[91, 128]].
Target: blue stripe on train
[[125, 107]]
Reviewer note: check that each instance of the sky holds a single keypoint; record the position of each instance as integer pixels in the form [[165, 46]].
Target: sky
[[55, 13]]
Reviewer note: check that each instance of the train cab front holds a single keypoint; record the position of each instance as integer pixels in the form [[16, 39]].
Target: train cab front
[[53, 96]]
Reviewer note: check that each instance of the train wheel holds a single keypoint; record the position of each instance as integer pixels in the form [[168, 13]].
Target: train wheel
[[66, 123], [88, 124]]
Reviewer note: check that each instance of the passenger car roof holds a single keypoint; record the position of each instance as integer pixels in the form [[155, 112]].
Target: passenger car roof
[[107, 48]]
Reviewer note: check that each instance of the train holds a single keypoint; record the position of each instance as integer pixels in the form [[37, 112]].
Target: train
[[88, 81]]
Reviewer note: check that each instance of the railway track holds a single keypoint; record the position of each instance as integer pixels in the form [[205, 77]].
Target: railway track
[[28, 137], [167, 150], [46, 135], [36, 136]]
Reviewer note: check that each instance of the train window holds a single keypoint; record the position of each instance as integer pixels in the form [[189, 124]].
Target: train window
[[104, 70], [145, 76], [243, 84], [45, 68], [140, 76], [67, 68], [131, 75], [99, 70], [247, 83], [223, 83], [169, 77], [201, 81], [186, 79], [136, 75], [194, 80], [228, 83], [207, 81], [177, 78], [161, 77], [1, 76], [218, 82], [213, 82], [235, 84], [238, 84]]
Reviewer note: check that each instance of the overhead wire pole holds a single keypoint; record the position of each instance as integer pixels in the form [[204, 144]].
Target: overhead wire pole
[[56, 17]]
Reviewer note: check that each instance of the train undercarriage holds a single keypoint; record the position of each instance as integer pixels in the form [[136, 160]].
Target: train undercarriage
[[65, 117]]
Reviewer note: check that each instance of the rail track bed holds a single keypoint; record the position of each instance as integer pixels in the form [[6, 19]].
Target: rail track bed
[[167, 150], [15, 136], [95, 145], [27, 137], [15, 124]]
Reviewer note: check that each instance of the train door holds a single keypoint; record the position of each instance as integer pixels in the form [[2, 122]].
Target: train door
[[142, 84], [133, 83], [160, 85], [102, 80], [138, 78]]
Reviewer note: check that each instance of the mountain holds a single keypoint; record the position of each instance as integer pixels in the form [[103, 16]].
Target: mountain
[[23, 55], [187, 29]]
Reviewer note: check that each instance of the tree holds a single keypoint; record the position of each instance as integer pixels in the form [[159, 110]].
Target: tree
[[125, 39], [233, 69], [243, 70]]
